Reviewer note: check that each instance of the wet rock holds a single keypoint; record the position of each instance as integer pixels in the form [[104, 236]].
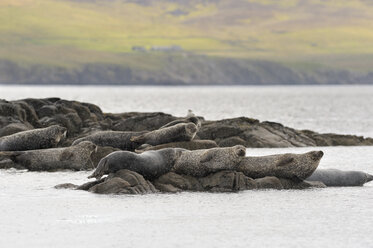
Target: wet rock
[[124, 182], [66, 186], [178, 181], [227, 181], [268, 183]]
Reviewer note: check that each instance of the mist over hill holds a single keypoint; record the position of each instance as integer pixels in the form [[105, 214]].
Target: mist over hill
[[186, 42]]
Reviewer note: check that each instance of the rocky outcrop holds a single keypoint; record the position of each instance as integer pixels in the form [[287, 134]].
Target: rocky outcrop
[[129, 182], [82, 119]]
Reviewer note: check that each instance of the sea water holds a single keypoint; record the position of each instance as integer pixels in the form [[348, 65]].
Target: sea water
[[34, 214]]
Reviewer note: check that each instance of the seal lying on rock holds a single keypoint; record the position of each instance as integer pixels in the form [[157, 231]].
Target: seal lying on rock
[[117, 139], [69, 158], [40, 138], [291, 166], [190, 119], [150, 164], [199, 163], [338, 178], [189, 145], [178, 132]]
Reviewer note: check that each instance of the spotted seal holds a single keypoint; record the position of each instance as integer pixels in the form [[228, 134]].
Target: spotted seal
[[40, 138], [178, 132], [76, 157], [200, 163], [290, 166], [116, 139]]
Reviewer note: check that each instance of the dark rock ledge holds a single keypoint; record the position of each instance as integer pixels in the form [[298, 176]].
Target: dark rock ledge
[[82, 119]]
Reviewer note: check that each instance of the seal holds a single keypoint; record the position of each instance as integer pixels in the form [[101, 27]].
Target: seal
[[76, 157], [150, 164], [190, 119], [338, 178], [189, 145], [175, 133], [290, 166], [200, 163], [40, 138], [116, 139]]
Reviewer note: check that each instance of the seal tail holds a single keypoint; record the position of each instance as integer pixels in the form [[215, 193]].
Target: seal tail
[[369, 177], [9, 155], [100, 170]]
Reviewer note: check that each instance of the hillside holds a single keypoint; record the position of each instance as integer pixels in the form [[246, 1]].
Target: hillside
[[180, 41]]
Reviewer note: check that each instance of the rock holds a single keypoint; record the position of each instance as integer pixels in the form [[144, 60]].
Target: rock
[[124, 182], [66, 186], [227, 181], [111, 186], [232, 141], [166, 188], [182, 182], [268, 183]]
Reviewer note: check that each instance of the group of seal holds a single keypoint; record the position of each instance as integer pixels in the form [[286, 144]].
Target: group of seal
[[170, 149]]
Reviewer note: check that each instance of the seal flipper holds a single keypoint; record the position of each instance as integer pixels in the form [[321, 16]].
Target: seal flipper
[[206, 157], [101, 169], [285, 161]]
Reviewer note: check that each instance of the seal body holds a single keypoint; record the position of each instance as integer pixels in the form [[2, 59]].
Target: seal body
[[116, 139], [338, 178], [175, 133], [189, 145], [200, 163], [150, 164], [289, 166], [40, 138], [69, 158], [189, 119]]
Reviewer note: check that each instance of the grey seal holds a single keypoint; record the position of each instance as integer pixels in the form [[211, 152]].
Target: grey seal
[[69, 158], [150, 164], [178, 132], [290, 166], [116, 139], [40, 138], [338, 178], [200, 163]]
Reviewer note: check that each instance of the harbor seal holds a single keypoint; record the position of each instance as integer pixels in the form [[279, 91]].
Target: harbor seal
[[116, 139], [200, 163], [40, 138], [190, 119], [338, 178], [178, 132], [76, 157], [189, 145], [290, 166], [150, 164]]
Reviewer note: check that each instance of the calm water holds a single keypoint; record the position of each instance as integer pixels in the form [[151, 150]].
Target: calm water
[[34, 214]]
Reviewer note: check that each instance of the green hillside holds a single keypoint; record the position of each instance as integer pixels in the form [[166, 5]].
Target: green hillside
[[302, 35]]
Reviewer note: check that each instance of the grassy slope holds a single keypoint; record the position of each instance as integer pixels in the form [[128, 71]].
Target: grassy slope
[[336, 33]]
